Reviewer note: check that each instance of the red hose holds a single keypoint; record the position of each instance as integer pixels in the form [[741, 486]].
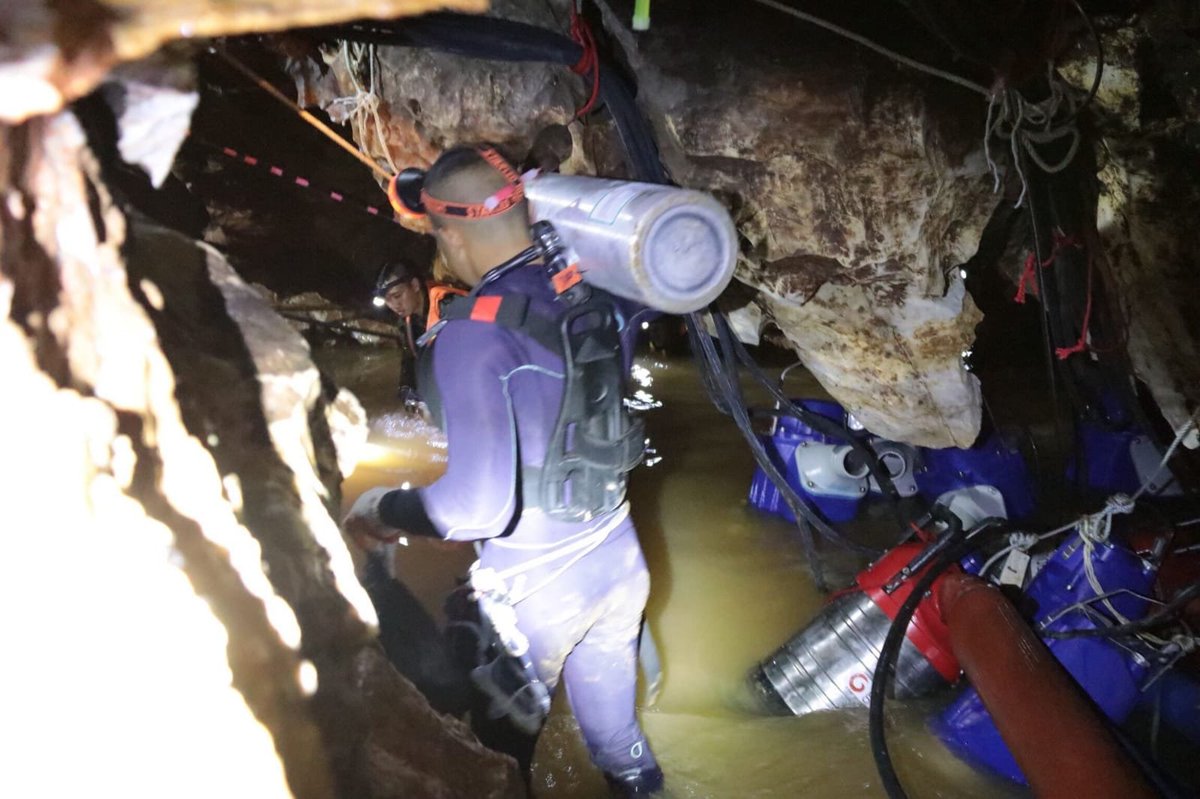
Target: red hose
[[1058, 738]]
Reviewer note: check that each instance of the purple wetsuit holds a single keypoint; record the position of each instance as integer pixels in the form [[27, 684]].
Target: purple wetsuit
[[578, 588]]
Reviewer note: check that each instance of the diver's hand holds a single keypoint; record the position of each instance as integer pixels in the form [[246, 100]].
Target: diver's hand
[[363, 524]]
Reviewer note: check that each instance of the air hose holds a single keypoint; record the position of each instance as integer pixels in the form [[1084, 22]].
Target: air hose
[[957, 547]]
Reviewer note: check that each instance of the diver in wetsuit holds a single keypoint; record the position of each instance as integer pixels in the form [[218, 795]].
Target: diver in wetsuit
[[403, 293], [539, 444]]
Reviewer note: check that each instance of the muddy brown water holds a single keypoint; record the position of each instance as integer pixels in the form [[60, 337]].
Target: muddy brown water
[[729, 585]]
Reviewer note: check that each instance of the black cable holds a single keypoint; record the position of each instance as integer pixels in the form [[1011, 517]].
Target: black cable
[[349, 328], [1149, 622], [886, 668], [1091, 95], [734, 399], [1162, 782]]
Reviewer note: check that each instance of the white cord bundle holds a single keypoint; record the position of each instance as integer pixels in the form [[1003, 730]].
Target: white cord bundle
[[1025, 125], [362, 107]]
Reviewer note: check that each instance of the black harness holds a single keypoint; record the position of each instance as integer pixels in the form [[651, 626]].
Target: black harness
[[596, 442]]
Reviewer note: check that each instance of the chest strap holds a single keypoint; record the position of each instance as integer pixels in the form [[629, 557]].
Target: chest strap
[[509, 311]]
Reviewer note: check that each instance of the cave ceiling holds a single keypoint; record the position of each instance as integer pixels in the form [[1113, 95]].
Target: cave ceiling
[[860, 187]]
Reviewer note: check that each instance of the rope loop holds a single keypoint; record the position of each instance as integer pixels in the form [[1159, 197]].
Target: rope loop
[[362, 108], [1027, 125]]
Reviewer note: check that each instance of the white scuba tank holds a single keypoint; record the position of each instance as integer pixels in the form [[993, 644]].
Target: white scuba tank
[[667, 248]]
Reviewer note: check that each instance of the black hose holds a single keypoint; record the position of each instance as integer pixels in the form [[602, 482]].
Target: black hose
[[1164, 614], [1163, 783], [888, 655], [349, 328]]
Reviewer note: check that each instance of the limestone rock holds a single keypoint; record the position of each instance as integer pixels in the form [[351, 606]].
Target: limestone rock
[[176, 444], [1149, 186], [405, 105], [135, 623], [856, 187], [153, 102], [347, 422], [53, 53]]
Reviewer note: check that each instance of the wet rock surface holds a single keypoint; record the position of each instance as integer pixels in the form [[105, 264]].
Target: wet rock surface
[[204, 633], [53, 53], [1148, 125]]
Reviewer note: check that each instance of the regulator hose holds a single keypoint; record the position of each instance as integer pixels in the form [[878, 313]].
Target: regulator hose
[[962, 544]]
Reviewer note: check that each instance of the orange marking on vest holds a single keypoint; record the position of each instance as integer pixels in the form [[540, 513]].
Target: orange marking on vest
[[485, 309]]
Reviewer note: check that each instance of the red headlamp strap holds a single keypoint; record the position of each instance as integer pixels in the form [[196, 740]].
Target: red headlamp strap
[[498, 203]]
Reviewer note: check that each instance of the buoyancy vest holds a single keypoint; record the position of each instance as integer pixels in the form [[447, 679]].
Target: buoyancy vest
[[595, 441]]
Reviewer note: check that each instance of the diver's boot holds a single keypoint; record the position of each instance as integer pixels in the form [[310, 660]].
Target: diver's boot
[[636, 782]]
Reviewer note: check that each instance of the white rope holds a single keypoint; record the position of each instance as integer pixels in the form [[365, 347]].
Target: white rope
[[1095, 528], [1026, 125], [1187, 428], [1023, 123], [363, 106], [1023, 542], [865, 42], [490, 581]]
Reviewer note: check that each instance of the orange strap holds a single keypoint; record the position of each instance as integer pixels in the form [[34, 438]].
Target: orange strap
[[438, 293], [497, 204]]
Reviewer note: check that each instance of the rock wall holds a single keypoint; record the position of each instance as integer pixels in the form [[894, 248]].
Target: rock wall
[[177, 445], [1148, 122], [183, 614], [858, 189], [53, 53]]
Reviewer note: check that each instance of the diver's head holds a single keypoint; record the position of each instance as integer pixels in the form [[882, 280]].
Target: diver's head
[[400, 290], [476, 203]]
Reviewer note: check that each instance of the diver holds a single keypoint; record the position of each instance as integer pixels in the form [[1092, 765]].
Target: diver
[[526, 376], [403, 293]]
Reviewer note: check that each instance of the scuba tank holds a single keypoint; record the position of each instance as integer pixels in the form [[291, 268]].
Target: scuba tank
[[670, 249], [667, 248]]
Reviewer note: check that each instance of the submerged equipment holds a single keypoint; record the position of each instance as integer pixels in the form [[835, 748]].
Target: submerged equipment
[[1113, 674], [988, 479], [831, 662]]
